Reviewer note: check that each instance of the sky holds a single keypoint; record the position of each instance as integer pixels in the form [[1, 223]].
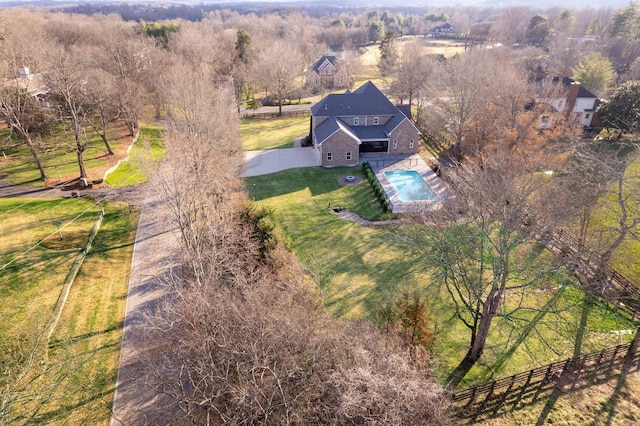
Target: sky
[[535, 4]]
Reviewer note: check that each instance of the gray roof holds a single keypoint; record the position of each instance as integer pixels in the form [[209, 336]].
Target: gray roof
[[370, 133], [330, 126], [394, 122], [584, 93], [332, 59], [366, 100]]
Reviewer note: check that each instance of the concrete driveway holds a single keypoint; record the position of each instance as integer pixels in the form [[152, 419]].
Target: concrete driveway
[[258, 163]]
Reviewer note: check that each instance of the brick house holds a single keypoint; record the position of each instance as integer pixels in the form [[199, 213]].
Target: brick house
[[572, 102], [327, 72], [343, 126]]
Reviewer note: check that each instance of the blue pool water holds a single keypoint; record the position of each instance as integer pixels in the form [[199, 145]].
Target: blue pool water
[[410, 186]]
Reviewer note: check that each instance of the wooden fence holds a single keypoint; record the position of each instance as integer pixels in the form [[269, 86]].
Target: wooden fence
[[477, 398], [382, 162], [613, 287], [275, 115]]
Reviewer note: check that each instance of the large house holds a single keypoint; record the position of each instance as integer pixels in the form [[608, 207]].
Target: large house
[[576, 103], [343, 126], [327, 72]]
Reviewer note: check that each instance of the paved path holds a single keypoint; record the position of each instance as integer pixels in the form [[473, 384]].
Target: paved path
[[155, 260], [275, 160]]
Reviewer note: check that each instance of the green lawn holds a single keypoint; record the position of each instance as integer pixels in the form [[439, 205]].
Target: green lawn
[[359, 268], [86, 342], [57, 154], [606, 214], [148, 149], [272, 134]]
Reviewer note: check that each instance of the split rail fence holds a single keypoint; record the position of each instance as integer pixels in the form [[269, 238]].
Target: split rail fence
[[612, 287], [275, 115]]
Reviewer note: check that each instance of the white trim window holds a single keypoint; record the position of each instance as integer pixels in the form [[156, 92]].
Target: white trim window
[[329, 156], [348, 155], [376, 121], [395, 144], [356, 121], [411, 143]]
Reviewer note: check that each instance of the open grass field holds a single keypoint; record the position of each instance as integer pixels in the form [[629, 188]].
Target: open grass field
[[86, 342], [371, 56], [149, 148], [272, 134], [627, 258], [359, 268], [59, 158]]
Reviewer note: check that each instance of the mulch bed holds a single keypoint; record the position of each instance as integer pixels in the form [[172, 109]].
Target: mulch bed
[[119, 147]]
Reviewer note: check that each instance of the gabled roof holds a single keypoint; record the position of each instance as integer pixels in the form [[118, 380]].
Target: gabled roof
[[372, 133], [320, 62], [366, 100], [329, 127], [584, 93]]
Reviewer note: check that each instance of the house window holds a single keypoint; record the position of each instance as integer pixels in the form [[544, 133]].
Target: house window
[[356, 121], [329, 156], [348, 155], [395, 143], [376, 121], [586, 116], [411, 143]]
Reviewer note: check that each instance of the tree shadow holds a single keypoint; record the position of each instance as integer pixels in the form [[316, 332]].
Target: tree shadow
[[553, 386]]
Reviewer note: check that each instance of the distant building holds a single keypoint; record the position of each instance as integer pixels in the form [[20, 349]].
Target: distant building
[[443, 30], [327, 72], [573, 102]]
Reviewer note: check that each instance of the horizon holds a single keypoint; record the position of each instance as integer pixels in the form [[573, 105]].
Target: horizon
[[535, 5]]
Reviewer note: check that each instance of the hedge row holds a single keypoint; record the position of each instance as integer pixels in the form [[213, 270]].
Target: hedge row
[[377, 189]]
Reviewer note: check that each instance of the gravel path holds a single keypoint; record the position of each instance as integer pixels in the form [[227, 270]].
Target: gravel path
[[351, 216]]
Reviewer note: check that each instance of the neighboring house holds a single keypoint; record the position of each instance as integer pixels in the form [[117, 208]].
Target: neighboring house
[[27, 82], [441, 31], [343, 126], [576, 104], [327, 72]]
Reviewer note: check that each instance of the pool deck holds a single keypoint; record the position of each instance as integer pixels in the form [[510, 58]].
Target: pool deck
[[380, 165]]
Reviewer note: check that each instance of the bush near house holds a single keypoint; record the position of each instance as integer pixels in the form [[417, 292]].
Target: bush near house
[[377, 189]]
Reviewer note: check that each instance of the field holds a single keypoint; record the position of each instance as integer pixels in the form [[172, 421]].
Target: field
[[272, 134], [371, 55], [74, 373]]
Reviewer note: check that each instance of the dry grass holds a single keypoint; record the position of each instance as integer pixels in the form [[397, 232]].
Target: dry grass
[[91, 325], [604, 401]]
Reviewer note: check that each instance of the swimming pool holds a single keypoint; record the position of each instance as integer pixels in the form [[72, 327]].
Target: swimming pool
[[410, 186]]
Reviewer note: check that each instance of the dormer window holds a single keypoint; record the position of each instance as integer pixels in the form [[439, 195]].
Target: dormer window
[[356, 121], [376, 121]]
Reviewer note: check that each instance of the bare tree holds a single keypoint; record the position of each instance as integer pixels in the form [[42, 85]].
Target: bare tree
[[412, 71], [241, 339], [604, 171], [23, 89], [279, 67], [126, 57], [501, 202], [67, 81], [32, 381], [464, 87]]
